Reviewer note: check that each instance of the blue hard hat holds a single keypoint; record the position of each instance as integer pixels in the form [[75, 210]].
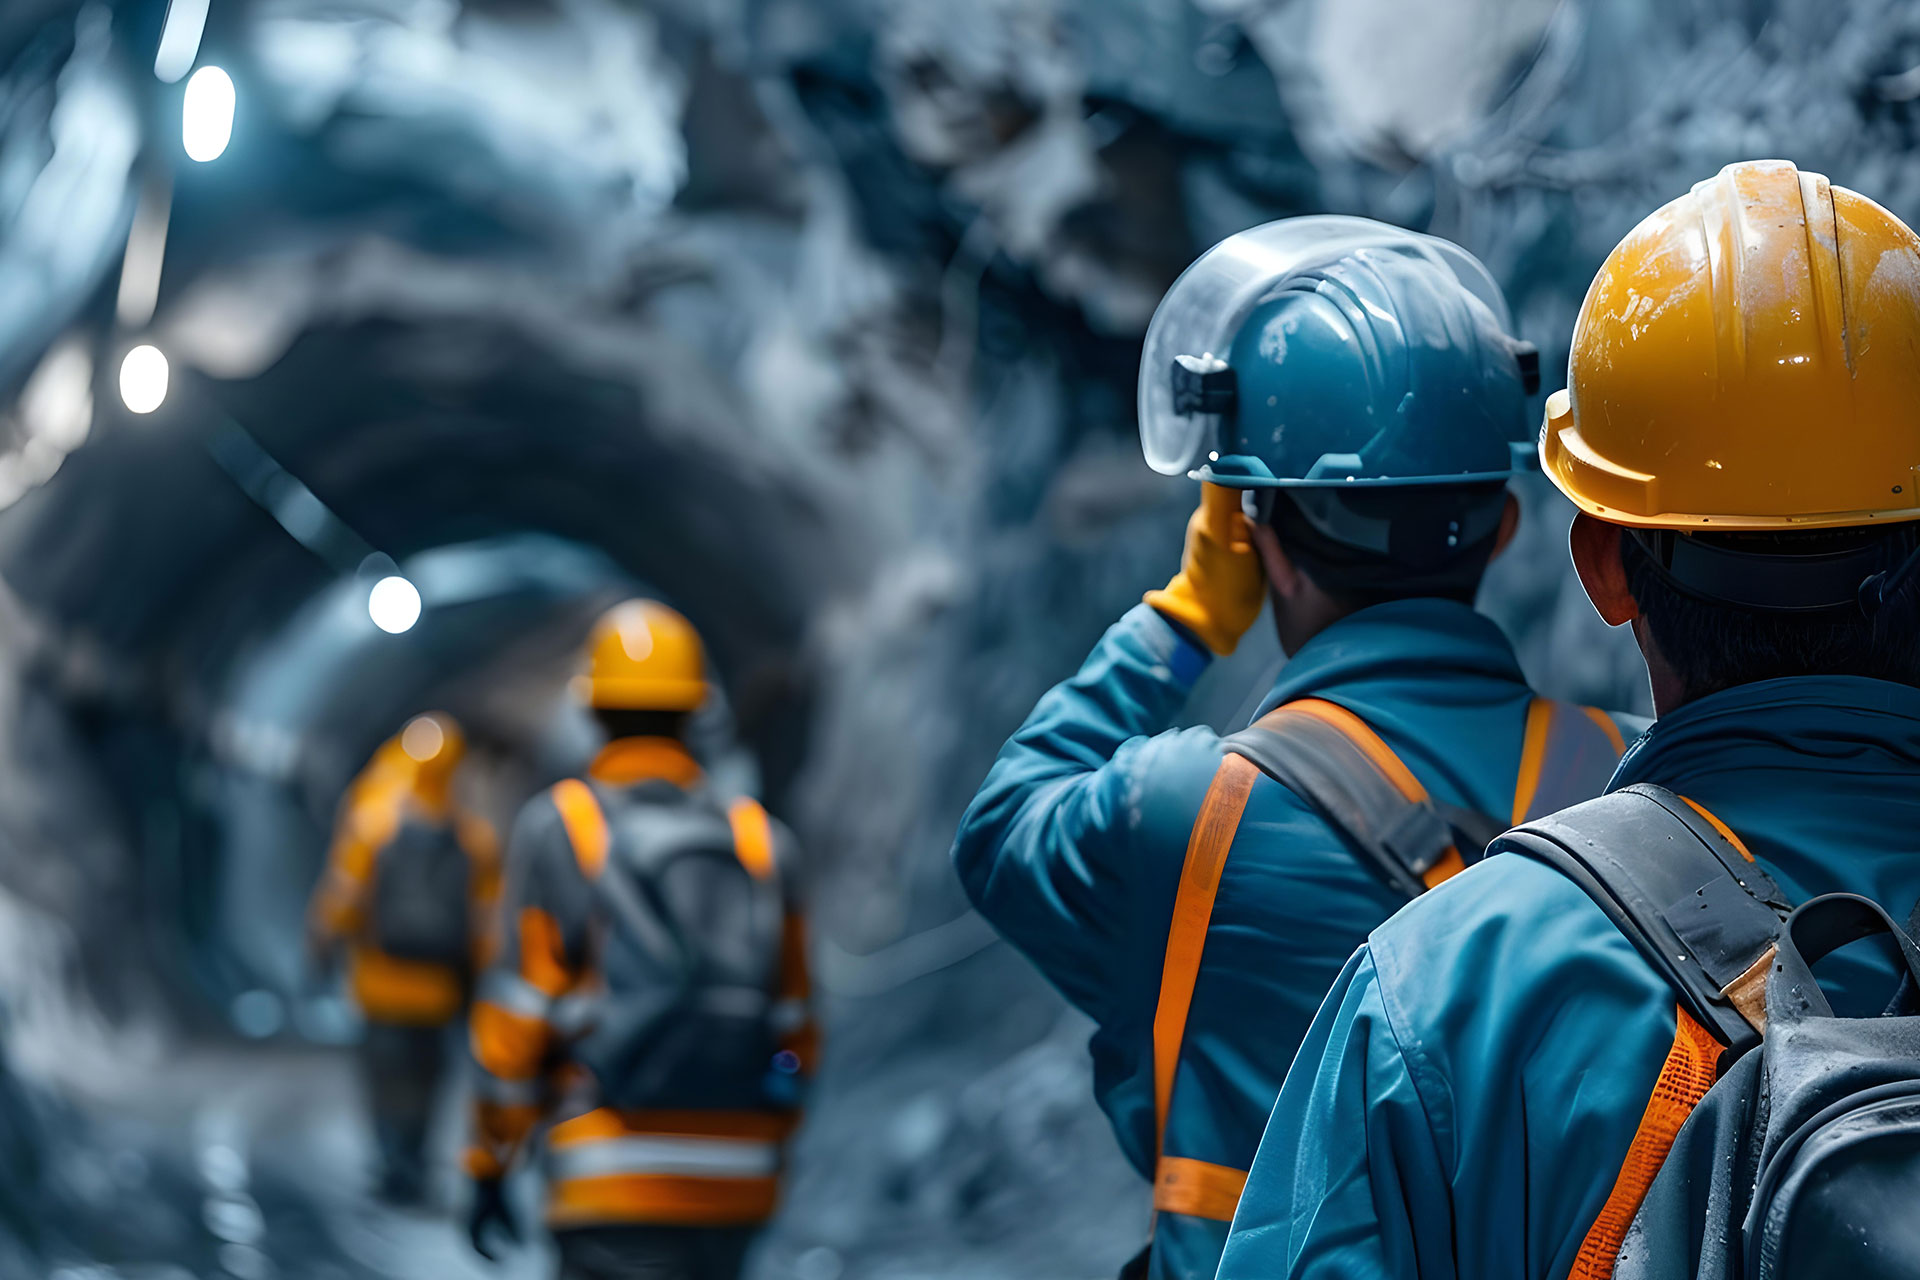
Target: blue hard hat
[[1331, 352]]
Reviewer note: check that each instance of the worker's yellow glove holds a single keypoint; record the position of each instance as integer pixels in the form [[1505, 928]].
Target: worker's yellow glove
[[1221, 585]]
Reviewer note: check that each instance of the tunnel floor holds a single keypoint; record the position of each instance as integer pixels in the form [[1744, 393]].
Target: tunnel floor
[[278, 1133]]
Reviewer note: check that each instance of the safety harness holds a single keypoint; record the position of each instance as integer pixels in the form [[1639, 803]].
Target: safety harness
[[1328, 757]]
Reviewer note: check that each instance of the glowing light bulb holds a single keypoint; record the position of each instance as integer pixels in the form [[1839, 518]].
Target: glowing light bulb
[[394, 604], [206, 114], [143, 379]]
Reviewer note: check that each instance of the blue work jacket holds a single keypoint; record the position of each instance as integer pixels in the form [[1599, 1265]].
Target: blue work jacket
[[1074, 845], [1467, 1096]]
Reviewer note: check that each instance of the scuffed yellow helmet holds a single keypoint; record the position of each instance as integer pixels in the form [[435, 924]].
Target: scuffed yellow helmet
[[1748, 358], [643, 656]]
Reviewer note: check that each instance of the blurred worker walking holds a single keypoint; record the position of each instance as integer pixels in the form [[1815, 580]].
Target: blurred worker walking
[[408, 893], [650, 1001], [1496, 1080], [1355, 406]]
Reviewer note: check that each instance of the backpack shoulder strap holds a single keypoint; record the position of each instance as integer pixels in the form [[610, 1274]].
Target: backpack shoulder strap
[[1328, 757], [1568, 755], [752, 837], [1683, 890]]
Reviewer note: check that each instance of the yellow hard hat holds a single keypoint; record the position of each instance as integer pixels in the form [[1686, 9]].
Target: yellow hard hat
[[1747, 359], [643, 656]]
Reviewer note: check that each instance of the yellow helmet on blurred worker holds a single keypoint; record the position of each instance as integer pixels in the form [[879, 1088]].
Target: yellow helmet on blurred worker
[[1748, 358], [643, 656]]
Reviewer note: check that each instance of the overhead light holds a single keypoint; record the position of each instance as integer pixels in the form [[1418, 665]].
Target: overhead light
[[394, 604], [206, 114], [180, 39], [143, 379]]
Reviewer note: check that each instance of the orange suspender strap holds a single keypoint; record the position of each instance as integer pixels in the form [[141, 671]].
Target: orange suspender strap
[[753, 842], [1195, 1187], [1390, 765], [1533, 754], [1192, 1186], [586, 825], [1683, 1081], [1560, 762], [752, 837], [1608, 727]]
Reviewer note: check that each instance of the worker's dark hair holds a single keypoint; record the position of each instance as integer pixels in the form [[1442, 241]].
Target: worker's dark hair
[[1367, 546], [628, 722], [1713, 646]]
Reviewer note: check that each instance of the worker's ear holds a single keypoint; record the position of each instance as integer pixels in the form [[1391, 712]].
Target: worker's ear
[[1282, 576], [1509, 525], [1596, 558]]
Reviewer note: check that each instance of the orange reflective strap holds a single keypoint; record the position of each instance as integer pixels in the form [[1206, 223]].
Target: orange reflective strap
[[752, 837], [1207, 849], [605, 1123], [1367, 740], [1608, 727], [1726, 831], [404, 992], [613, 1195], [543, 953], [1197, 1189], [1357, 732], [1533, 754], [676, 1199], [586, 825], [506, 1044], [1685, 1078], [1450, 865]]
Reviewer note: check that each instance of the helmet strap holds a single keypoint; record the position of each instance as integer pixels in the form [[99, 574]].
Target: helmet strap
[[1861, 576]]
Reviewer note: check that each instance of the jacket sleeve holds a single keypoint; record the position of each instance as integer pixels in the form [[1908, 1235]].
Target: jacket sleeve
[[541, 958], [1348, 1180], [1045, 851]]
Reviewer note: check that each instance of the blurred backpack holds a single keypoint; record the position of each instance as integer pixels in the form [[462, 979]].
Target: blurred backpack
[[1802, 1158], [422, 886], [689, 950]]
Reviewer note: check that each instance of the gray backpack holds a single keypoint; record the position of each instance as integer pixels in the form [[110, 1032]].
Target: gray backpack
[[1803, 1158], [421, 900], [688, 947]]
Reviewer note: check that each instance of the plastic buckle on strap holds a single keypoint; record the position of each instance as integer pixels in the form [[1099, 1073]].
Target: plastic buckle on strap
[[1417, 838]]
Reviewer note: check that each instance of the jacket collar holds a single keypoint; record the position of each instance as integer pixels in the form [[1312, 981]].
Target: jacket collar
[[1826, 724], [1424, 640], [627, 762]]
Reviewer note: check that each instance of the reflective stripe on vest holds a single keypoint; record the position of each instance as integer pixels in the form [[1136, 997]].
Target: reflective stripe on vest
[[700, 1168], [691, 1157], [1567, 755]]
